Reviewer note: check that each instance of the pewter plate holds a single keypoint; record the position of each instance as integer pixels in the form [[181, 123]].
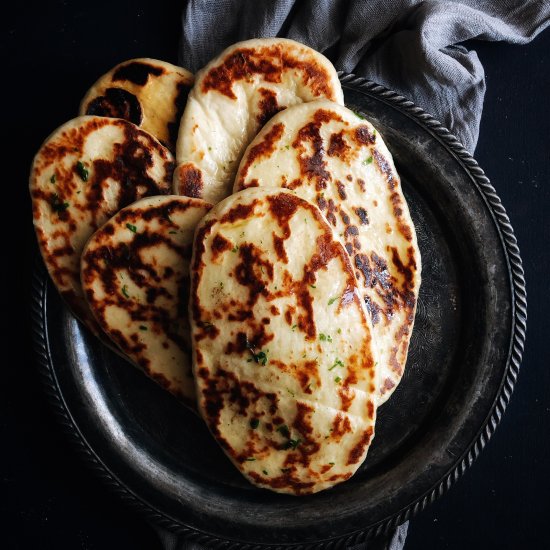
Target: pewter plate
[[464, 358]]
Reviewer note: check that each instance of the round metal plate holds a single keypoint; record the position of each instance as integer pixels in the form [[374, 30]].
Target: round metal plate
[[464, 358]]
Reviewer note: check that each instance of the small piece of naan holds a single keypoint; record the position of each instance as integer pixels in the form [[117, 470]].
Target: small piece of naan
[[335, 159], [135, 275], [85, 172], [233, 96], [283, 357], [148, 92]]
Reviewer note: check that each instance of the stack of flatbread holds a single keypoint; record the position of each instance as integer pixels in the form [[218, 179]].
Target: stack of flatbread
[[243, 238]]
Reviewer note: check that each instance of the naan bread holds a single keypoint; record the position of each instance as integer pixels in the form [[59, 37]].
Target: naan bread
[[135, 275], [85, 172], [335, 159], [233, 96], [148, 92], [283, 356]]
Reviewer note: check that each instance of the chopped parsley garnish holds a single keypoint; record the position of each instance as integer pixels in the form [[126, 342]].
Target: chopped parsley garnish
[[52, 179], [250, 459], [265, 472], [293, 443], [254, 423], [339, 331], [367, 161], [337, 363], [325, 337], [235, 248], [172, 232], [82, 171], [331, 463], [374, 132], [57, 205], [291, 392], [285, 470], [283, 430], [131, 227], [358, 115], [312, 286], [260, 357], [337, 379], [287, 147], [142, 327], [294, 327], [332, 300], [125, 291]]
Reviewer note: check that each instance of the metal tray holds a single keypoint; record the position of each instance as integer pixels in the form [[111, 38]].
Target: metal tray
[[464, 358]]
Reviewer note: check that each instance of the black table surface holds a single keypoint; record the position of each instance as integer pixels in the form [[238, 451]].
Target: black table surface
[[52, 52]]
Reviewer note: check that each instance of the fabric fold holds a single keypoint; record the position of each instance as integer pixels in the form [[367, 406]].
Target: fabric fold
[[410, 46]]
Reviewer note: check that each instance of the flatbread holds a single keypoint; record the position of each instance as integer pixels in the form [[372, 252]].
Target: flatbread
[[233, 96], [135, 275], [337, 160], [283, 357], [85, 172], [148, 92]]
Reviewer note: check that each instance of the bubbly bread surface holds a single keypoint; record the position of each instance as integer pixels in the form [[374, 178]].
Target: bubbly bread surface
[[135, 275], [284, 362], [148, 92], [233, 96], [84, 173], [336, 159]]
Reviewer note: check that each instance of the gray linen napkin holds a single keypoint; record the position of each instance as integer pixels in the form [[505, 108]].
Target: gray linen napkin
[[410, 46], [413, 47], [394, 541]]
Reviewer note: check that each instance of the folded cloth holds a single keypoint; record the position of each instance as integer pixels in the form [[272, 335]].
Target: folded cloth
[[410, 46], [395, 541]]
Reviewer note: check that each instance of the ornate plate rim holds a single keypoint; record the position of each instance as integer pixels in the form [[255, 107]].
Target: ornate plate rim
[[517, 341]]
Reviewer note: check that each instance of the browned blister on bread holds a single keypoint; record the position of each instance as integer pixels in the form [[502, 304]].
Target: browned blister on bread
[[150, 93], [85, 172], [135, 275], [233, 96], [337, 160], [284, 360]]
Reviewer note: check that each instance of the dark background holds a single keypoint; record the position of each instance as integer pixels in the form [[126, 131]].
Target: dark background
[[51, 53]]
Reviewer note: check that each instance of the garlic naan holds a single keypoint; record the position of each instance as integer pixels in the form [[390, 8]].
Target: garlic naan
[[336, 159], [85, 172], [148, 92], [283, 357], [233, 96], [135, 275]]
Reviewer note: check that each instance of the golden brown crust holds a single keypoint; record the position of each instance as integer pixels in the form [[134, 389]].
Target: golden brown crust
[[135, 273], [75, 191], [276, 407], [270, 62]]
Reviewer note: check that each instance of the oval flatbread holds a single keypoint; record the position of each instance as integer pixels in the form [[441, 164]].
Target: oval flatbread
[[335, 159], [233, 96], [135, 275], [85, 172], [283, 357], [148, 92]]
